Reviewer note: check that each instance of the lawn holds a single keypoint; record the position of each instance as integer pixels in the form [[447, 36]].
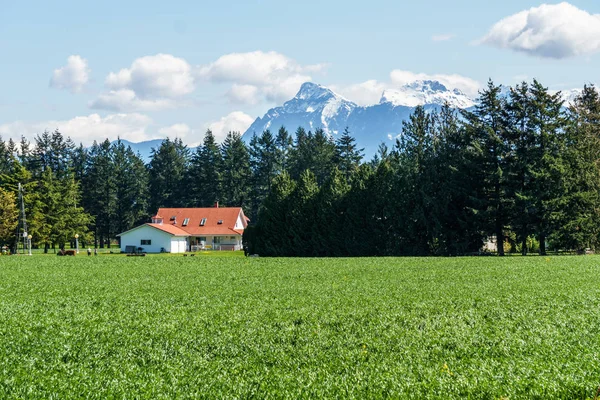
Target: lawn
[[235, 327]]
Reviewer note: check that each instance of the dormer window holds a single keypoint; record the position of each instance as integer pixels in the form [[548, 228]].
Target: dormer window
[[203, 222], [174, 218], [185, 222], [220, 222]]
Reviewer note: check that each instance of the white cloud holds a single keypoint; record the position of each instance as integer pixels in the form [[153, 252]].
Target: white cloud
[[236, 121], [443, 37], [365, 93], [127, 100], [181, 131], [162, 75], [86, 129], [275, 76], [73, 76], [550, 30], [151, 83], [176, 130], [243, 94]]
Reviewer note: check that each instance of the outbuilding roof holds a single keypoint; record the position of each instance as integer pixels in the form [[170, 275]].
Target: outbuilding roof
[[170, 229]]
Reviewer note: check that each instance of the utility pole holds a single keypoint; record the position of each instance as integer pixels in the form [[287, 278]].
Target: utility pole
[[22, 222]]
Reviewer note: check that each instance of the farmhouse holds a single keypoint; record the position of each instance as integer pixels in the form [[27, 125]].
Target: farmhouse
[[177, 230]]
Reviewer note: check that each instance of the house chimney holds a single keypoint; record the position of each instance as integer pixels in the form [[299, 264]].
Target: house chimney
[[216, 204]]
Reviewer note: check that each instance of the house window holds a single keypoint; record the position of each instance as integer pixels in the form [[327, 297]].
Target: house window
[[217, 240], [146, 242], [185, 222], [202, 239], [202, 221]]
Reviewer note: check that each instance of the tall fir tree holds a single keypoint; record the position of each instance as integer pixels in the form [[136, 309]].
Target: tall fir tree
[[168, 169], [99, 191], [263, 162], [549, 168], [235, 171], [347, 154], [131, 188], [206, 172], [579, 218], [486, 126]]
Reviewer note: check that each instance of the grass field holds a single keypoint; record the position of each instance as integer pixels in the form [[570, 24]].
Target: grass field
[[235, 327]]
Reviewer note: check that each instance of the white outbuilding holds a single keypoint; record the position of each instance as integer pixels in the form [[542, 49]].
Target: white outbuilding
[[154, 238]]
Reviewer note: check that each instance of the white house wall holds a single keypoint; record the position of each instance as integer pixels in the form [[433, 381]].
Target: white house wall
[[158, 238], [239, 224]]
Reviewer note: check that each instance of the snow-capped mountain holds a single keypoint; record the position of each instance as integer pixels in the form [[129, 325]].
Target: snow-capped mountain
[[420, 93], [316, 106]]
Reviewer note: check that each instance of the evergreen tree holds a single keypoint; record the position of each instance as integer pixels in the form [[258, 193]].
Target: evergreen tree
[[236, 172], [347, 154], [168, 169], [273, 235], [284, 143], [69, 217], [519, 110], [205, 172], [24, 152], [549, 168], [5, 158], [456, 231], [11, 148], [416, 151], [329, 218], [486, 125], [303, 212], [42, 158], [263, 162], [99, 191], [9, 215], [579, 218], [79, 162], [131, 188]]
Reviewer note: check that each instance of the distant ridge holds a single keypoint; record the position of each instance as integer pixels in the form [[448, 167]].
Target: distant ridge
[[316, 106]]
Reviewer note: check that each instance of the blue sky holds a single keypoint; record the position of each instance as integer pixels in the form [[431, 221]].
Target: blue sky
[[179, 68]]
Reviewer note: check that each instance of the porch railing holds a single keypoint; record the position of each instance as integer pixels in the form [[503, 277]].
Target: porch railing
[[216, 247]]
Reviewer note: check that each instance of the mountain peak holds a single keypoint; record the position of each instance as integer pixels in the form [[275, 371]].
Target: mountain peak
[[427, 86], [310, 90], [425, 92]]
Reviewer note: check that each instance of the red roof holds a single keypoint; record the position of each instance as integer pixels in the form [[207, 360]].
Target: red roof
[[211, 227], [170, 229], [173, 230]]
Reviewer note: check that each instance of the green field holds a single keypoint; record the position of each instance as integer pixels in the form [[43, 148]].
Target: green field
[[235, 327]]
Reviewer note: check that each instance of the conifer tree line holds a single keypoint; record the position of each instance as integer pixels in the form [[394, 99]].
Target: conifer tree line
[[521, 166]]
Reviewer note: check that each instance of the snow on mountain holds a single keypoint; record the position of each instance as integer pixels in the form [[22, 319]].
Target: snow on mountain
[[420, 93], [569, 96], [314, 106]]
